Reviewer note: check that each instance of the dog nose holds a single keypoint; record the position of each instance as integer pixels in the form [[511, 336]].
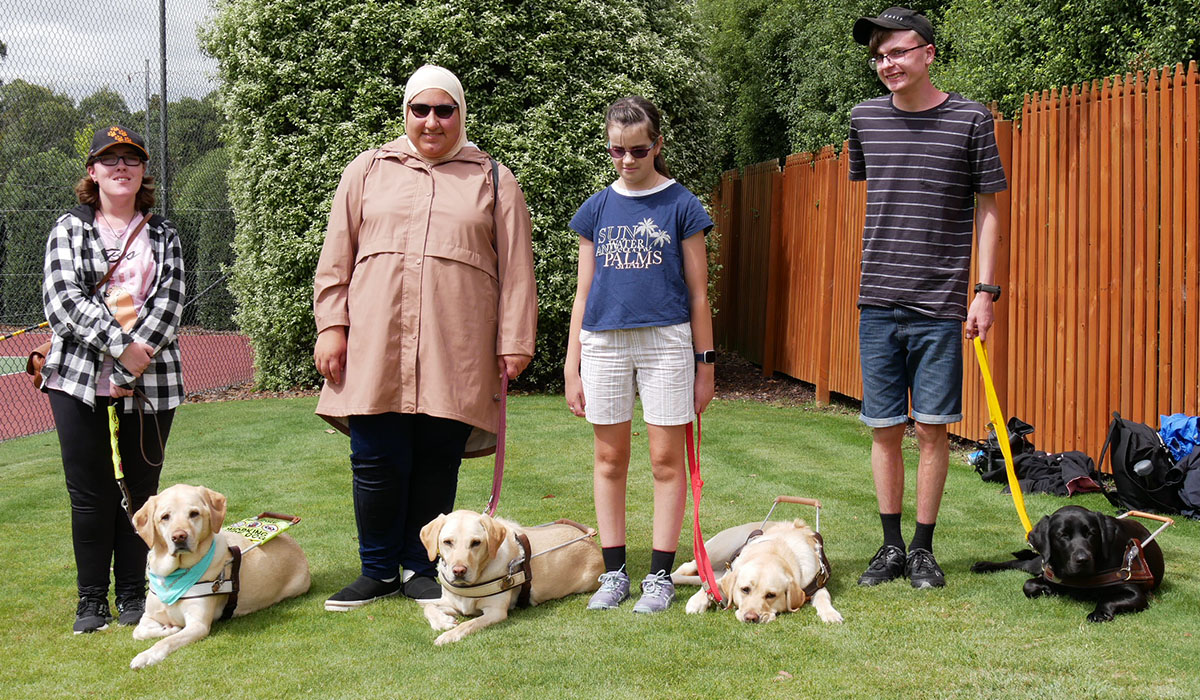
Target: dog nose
[[459, 571], [179, 537], [751, 616]]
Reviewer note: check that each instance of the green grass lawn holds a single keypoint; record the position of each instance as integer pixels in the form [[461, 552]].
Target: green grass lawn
[[978, 637]]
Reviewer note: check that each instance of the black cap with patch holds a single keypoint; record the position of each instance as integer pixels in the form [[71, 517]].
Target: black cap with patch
[[110, 136], [893, 18]]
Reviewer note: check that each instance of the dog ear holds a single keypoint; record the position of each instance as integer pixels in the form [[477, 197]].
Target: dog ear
[[142, 521], [216, 509], [1039, 538], [496, 533], [795, 595], [726, 585], [1111, 545], [430, 534]]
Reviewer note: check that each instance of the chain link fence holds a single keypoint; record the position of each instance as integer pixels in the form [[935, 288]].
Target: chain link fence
[[65, 70]]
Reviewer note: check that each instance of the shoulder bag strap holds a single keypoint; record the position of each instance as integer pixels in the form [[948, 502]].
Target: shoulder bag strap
[[128, 241]]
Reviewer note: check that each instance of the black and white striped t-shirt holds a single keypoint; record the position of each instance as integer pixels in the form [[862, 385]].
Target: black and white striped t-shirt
[[922, 171]]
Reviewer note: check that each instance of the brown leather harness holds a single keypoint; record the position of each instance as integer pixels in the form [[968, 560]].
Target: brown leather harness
[[1133, 569], [519, 572]]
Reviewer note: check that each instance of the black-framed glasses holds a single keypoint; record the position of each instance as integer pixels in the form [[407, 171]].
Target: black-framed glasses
[[421, 111], [130, 160], [893, 56]]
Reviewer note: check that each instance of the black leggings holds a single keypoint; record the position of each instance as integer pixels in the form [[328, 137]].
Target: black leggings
[[100, 529]]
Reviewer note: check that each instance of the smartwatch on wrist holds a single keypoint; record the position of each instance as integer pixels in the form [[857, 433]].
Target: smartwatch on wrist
[[708, 357], [992, 289]]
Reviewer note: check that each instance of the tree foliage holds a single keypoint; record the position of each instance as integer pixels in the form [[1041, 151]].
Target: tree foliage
[[308, 84], [791, 70]]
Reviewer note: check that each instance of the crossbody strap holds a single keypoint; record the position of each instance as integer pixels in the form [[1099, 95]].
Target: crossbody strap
[[113, 268]]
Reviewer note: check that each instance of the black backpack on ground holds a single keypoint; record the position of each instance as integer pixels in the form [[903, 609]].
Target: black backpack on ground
[[990, 462], [1155, 484]]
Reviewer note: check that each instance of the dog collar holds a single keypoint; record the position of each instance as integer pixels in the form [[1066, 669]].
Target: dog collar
[[171, 587]]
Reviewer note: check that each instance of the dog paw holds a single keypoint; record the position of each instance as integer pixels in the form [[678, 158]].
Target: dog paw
[[830, 615], [449, 637], [1099, 616], [443, 623], [146, 658], [1033, 589], [697, 604]]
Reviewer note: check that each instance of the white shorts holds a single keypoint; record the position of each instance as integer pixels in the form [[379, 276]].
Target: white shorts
[[660, 359]]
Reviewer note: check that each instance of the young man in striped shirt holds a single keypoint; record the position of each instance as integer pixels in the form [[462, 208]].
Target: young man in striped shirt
[[932, 170]]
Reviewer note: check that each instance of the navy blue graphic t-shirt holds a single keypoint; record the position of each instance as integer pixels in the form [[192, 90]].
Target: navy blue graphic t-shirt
[[638, 239]]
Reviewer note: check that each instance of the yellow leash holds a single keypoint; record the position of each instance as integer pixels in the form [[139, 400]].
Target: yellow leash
[[114, 431], [1001, 429]]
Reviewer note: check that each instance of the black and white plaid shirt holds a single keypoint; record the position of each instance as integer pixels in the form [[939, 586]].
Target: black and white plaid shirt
[[84, 329]]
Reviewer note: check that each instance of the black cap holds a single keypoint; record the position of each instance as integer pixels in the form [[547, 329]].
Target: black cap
[[892, 18], [108, 137]]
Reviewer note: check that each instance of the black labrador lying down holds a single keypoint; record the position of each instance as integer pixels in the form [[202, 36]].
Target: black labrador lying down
[[1089, 556]]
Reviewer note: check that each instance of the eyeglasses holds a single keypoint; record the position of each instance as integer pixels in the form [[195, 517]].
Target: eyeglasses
[[639, 153], [894, 56], [421, 111], [130, 160]]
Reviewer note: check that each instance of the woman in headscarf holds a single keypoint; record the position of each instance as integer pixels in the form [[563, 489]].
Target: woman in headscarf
[[424, 295]]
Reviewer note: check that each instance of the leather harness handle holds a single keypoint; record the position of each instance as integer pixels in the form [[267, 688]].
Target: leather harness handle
[[798, 499]]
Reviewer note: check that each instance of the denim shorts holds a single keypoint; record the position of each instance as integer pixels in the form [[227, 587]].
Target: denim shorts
[[659, 360], [905, 351]]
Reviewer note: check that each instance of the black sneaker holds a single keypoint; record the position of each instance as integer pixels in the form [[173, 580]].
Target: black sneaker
[[129, 610], [886, 565], [92, 614], [364, 590], [923, 570], [422, 588]]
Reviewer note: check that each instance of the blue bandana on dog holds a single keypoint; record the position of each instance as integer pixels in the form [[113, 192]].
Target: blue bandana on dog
[[171, 587]]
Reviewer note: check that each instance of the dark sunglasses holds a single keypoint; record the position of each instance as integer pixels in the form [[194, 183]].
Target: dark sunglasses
[[639, 153], [111, 160], [421, 111]]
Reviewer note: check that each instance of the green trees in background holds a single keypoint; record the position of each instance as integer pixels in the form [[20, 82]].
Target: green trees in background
[[791, 71], [44, 139], [309, 84]]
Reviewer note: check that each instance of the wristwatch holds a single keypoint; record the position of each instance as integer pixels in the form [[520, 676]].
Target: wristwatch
[[992, 289], [708, 357]]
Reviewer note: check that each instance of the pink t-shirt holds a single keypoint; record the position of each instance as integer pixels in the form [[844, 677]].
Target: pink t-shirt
[[128, 288]]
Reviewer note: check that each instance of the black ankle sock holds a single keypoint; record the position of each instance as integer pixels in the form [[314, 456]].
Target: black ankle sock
[[891, 529], [614, 557], [661, 561], [923, 537]]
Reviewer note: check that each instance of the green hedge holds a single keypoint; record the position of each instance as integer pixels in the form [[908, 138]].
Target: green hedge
[[308, 84]]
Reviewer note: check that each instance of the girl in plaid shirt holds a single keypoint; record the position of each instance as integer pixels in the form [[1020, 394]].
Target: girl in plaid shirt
[[113, 345]]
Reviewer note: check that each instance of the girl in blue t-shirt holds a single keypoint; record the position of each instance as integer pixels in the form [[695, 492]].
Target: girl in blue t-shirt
[[641, 317]]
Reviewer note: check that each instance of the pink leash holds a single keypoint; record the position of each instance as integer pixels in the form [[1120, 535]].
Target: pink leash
[[498, 474], [701, 554]]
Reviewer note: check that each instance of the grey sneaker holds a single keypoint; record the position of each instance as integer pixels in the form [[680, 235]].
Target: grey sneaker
[[614, 588], [657, 593]]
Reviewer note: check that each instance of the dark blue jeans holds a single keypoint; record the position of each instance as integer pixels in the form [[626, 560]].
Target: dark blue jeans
[[405, 470]]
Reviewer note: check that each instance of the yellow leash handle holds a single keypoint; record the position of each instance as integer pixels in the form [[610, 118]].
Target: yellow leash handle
[[1001, 429], [114, 430]]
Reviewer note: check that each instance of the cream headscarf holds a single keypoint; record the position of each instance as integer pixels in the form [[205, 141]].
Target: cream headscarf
[[431, 76]]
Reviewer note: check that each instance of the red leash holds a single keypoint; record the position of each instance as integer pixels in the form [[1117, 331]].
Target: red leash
[[498, 473], [701, 554]]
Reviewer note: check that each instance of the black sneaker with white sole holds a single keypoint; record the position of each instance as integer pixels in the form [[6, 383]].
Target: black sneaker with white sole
[[923, 571], [364, 590], [423, 588], [130, 610], [886, 565], [92, 615]]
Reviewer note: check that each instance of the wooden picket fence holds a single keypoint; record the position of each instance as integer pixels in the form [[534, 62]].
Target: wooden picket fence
[[1099, 260]]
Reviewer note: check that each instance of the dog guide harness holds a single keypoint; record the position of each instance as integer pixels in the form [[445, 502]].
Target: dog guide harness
[[259, 529], [1133, 569], [520, 570], [813, 586]]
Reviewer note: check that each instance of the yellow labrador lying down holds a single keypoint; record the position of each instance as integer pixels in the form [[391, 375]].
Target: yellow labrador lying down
[[769, 576], [476, 549], [182, 525]]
